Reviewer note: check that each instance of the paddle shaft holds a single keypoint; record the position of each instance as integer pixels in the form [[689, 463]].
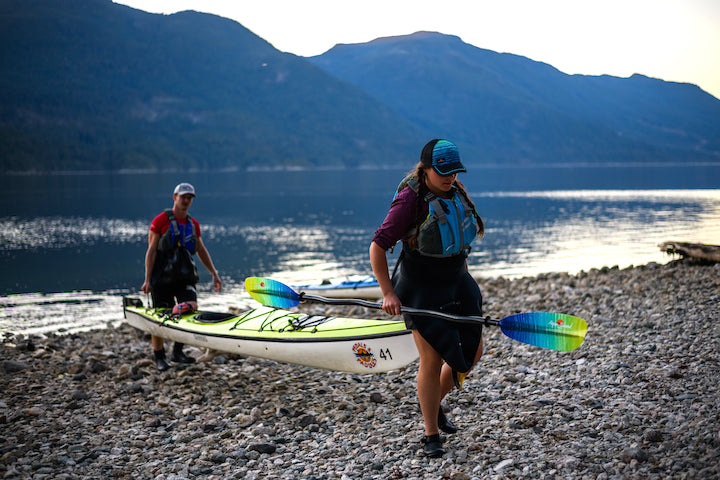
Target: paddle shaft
[[542, 329], [419, 311]]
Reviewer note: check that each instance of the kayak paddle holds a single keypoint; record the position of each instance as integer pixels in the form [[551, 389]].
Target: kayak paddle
[[555, 331]]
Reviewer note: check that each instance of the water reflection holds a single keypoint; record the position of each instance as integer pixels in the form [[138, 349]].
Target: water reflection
[[61, 232], [93, 260], [588, 229], [34, 313]]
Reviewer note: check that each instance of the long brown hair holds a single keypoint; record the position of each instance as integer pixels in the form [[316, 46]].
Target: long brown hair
[[419, 173]]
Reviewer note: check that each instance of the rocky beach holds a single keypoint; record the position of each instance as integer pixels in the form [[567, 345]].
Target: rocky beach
[[640, 399]]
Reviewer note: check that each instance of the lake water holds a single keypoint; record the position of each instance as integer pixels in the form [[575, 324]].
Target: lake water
[[72, 245]]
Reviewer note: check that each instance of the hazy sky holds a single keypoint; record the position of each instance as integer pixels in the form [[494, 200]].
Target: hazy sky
[[675, 40]]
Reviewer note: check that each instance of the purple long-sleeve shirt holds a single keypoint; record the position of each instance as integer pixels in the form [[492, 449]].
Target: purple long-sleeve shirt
[[399, 221]]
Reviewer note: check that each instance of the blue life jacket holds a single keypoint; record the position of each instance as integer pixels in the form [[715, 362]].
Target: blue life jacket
[[179, 235], [450, 227]]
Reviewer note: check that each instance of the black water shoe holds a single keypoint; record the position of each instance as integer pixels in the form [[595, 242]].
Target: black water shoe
[[432, 446], [444, 424], [179, 356], [160, 361]]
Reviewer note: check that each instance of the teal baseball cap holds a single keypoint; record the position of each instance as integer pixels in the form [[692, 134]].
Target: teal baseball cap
[[443, 156]]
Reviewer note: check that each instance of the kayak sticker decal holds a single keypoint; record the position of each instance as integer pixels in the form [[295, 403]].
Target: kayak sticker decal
[[364, 355]]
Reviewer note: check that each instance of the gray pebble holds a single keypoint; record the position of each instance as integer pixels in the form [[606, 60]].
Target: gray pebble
[[637, 400]]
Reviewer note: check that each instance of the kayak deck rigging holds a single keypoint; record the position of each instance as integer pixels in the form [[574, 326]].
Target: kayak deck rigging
[[295, 321]]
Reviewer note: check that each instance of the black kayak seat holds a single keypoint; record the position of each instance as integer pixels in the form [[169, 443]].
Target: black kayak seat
[[213, 317]]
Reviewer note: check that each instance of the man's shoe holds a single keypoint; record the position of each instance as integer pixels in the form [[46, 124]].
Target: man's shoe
[[179, 356], [160, 361], [432, 446], [444, 424]]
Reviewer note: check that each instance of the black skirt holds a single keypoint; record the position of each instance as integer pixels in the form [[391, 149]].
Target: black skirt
[[441, 284]]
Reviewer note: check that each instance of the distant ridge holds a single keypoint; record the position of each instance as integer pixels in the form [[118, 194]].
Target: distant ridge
[[89, 84], [509, 109], [94, 85]]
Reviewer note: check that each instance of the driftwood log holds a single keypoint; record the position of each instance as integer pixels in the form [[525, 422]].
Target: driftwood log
[[696, 251]]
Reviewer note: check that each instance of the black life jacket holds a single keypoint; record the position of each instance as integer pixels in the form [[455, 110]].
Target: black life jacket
[[174, 265]]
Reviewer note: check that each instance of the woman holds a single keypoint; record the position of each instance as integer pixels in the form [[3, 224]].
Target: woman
[[436, 221]]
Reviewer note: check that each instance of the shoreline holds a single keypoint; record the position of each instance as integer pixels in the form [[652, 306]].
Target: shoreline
[[311, 168], [106, 313], [637, 400]]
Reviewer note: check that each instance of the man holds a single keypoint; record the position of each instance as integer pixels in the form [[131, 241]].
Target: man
[[170, 273]]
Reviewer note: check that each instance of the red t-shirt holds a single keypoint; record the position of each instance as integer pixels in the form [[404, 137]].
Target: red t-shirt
[[161, 223]]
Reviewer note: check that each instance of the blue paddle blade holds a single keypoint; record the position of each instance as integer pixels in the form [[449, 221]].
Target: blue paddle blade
[[555, 331], [271, 292]]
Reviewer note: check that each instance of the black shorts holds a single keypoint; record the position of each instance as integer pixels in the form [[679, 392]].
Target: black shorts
[[168, 297], [441, 285]]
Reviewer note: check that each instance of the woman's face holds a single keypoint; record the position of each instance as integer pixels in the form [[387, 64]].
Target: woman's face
[[439, 184]]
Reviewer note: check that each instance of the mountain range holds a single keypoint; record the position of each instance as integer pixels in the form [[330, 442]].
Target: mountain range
[[94, 85], [514, 110]]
